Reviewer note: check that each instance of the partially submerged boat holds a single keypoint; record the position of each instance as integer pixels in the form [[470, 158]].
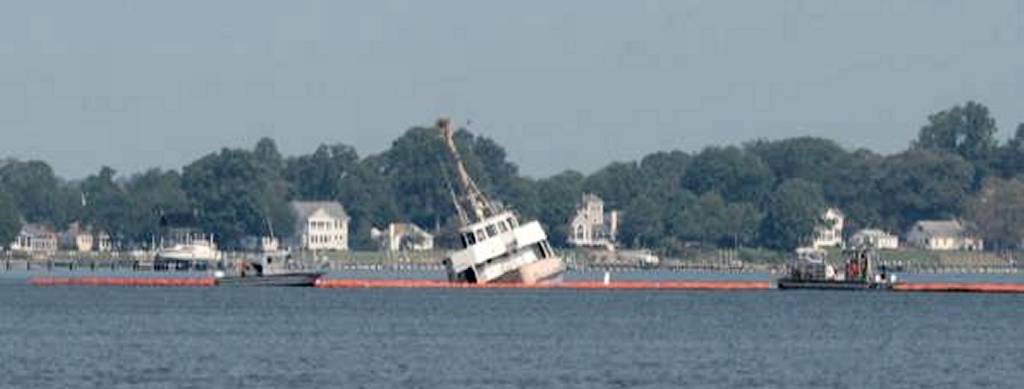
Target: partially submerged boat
[[496, 247], [811, 271], [269, 270]]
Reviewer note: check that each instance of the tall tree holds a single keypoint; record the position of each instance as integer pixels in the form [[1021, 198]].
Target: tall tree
[[105, 204], [616, 184], [239, 193], [730, 171], [10, 221], [36, 192], [967, 130], [920, 184], [998, 211], [151, 194], [792, 212]]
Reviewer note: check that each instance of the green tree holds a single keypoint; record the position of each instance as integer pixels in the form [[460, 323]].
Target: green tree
[[153, 193], [105, 205], [792, 212], [557, 197], [967, 130], [1010, 160], [998, 211], [617, 184], [730, 171], [10, 221], [36, 192], [921, 184], [239, 193]]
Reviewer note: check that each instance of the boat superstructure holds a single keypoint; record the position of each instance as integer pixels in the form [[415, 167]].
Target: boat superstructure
[[496, 247], [811, 271]]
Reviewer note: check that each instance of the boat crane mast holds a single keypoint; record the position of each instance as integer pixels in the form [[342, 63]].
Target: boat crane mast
[[471, 204]]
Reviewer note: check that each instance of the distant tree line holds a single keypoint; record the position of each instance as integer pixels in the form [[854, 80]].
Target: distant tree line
[[764, 193]]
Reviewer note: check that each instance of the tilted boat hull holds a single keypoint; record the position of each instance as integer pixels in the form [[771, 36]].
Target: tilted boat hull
[[544, 271], [305, 279]]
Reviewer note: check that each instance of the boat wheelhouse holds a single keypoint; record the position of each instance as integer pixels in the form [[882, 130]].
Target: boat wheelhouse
[[495, 246]]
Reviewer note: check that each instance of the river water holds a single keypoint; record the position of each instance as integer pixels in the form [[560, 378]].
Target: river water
[[115, 337]]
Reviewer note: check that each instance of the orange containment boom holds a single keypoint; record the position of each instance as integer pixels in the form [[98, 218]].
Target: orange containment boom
[[959, 287], [436, 284], [121, 281]]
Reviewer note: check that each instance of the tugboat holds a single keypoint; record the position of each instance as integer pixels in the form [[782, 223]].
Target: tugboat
[[495, 246], [810, 271]]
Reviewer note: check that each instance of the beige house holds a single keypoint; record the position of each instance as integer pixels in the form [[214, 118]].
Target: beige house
[[403, 237], [831, 234], [83, 240], [320, 225], [35, 238], [943, 235], [591, 226], [76, 238]]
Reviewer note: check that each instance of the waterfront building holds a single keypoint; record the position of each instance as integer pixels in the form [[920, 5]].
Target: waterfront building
[[84, 239], [76, 238], [403, 237], [875, 238], [943, 235], [591, 226], [320, 225], [35, 238], [831, 233], [102, 242]]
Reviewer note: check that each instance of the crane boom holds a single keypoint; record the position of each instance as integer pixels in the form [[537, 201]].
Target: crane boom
[[472, 205]]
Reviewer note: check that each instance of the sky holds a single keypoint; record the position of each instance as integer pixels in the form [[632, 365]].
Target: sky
[[571, 84]]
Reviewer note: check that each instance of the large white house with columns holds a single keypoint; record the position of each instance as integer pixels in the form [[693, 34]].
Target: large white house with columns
[[320, 225]]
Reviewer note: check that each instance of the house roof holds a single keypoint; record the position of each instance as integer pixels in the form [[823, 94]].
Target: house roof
[[303, 209], [591, 198], [873, 232], [940, 227], [35, 229], [409, 228]]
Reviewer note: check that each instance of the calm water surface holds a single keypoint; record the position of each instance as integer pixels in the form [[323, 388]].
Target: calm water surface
[[277, 338]]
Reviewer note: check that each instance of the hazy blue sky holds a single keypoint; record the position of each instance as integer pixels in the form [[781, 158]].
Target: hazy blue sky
[[561, 84]]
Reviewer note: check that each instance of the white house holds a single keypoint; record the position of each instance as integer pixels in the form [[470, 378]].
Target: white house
[[875, 238], [943, 235], [830, 234], [320, 225], [403, 237], [35, 238], [591, 226], [101, 242]]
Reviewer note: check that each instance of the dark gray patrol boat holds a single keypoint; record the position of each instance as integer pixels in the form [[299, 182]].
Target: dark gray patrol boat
[[271, 270]]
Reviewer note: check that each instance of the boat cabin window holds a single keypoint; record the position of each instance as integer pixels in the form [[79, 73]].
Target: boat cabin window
[[480, 236], [468, 239], [492, 230], [513, 222], [545, 250], [502, 227]]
